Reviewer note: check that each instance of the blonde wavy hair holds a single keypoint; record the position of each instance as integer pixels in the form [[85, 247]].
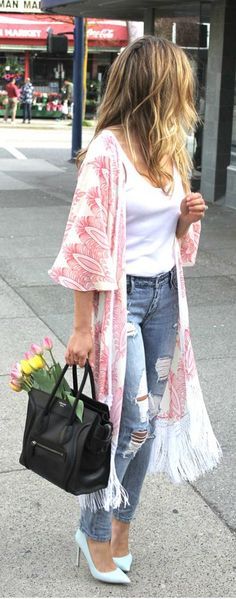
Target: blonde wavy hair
[[150, 92]]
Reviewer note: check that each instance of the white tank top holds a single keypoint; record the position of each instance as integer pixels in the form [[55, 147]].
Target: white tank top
[[151, 221]]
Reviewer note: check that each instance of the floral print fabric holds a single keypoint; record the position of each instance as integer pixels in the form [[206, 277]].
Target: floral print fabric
[[92, 257]]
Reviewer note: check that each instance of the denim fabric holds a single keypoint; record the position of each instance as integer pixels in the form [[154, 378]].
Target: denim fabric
[[152, 305], [27, 106]]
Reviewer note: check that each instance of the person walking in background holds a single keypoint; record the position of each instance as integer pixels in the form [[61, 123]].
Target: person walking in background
[[13, 93], [67, 96], [133, 224], [26, 97], [68, 91]]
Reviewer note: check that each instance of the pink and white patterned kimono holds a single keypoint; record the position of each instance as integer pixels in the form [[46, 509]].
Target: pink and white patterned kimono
[[92, 257]]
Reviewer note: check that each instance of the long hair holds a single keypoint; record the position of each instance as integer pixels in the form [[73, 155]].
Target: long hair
[[150, 91]]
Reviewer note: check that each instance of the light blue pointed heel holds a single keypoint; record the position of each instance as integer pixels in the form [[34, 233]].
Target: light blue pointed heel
[[113, 577], [124, 562]]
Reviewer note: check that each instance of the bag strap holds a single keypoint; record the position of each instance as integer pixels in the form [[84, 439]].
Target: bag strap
[[53, 392], [75, 379], [87, 372]]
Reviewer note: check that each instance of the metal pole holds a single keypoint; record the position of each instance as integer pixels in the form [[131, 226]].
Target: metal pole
[[77, 86]]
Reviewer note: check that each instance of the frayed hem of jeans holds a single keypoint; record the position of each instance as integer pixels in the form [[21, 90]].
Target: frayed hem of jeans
[[125, 520]]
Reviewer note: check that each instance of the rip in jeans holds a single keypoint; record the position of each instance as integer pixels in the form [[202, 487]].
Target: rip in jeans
[[131, 330], [138, 437], [162, 368]]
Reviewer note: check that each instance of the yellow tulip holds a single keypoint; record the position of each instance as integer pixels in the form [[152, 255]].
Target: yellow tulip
[[37, 362], [15, 387], [25, 367]]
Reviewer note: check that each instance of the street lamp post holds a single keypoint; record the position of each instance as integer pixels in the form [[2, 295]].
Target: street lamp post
[[77, 86]]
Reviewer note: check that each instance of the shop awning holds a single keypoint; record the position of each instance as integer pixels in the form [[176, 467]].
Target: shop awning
[[30, 31], [132, 10]]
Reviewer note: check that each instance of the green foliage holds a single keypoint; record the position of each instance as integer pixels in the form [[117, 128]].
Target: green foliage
[[15, 67], [43, 381], [46, 380], [80, 407]]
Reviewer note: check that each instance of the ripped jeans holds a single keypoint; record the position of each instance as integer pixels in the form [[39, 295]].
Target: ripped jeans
[[152, 304]]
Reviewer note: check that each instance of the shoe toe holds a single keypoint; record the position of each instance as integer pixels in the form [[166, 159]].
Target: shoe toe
[[124, 562]]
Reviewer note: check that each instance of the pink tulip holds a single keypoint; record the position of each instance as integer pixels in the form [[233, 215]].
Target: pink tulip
[[36, 349], [16, 373], [16, 383], [28, 355], [47, 343]]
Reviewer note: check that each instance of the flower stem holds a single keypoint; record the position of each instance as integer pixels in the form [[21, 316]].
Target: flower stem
[[46, 364], [51, 354], [26, 385]]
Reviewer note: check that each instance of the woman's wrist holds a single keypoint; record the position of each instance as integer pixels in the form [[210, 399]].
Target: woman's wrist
[[82, 329], [183, 225]]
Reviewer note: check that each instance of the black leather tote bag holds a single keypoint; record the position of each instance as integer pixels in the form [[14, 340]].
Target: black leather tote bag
[[71, 454]]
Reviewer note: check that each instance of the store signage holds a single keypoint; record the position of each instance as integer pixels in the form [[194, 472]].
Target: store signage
[[104, 34], [34, 29], [102, 29], [21, 33], [23, 6], [29, 27]]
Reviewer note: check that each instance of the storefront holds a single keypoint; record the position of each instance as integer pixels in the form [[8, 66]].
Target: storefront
[[218, 176], [23, 51]]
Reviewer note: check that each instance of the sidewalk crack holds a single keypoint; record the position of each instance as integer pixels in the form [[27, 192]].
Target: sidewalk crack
[[215, 510]]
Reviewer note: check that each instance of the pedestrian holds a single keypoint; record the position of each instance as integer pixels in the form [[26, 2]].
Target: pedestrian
[[12, 100], [26, 96], [67, 91], [67, 96], [133, 225]]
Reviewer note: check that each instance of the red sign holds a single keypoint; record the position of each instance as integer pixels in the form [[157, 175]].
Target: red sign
[[25, 28], [109, 33], [34, 29]]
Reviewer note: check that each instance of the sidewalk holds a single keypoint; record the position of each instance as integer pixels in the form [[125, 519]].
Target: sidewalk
[[40, 124], [183, 539]]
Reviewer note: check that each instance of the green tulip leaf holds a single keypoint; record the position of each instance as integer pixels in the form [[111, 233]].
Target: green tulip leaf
[[64, 387], [46, 380], [43, 381], [80, 407]]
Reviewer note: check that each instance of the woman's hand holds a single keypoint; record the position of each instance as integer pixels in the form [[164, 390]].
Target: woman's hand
[[192, 209], [79, 348]]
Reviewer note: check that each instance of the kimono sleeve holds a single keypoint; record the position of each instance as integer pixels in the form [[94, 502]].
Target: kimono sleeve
[[189, 244], [85, 261]]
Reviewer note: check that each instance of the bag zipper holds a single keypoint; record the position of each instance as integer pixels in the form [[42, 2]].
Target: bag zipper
[[34, 443]]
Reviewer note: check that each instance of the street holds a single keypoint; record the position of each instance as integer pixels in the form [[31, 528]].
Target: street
[[187, 533]]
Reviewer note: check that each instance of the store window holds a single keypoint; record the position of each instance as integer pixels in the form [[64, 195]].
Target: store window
[[48, 73], [9, 64]]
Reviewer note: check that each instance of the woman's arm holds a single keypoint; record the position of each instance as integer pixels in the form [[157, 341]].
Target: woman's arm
[[192, 209], [80, 344]]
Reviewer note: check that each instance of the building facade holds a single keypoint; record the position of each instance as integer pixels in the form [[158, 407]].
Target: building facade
[[218, 177], [23, 51]]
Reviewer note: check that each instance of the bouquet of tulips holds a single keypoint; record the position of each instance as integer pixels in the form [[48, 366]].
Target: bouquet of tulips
[[39, 370]]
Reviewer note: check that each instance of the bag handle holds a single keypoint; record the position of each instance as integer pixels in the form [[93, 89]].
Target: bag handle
[[87, 371], [91, 377]]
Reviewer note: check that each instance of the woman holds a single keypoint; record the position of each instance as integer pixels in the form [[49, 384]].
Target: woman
[[133, 224]]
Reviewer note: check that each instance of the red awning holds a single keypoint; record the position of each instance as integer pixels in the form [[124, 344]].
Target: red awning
[[31, 30]]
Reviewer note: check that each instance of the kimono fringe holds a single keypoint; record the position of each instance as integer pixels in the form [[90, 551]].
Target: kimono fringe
[[188, 448], [112, 497]]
